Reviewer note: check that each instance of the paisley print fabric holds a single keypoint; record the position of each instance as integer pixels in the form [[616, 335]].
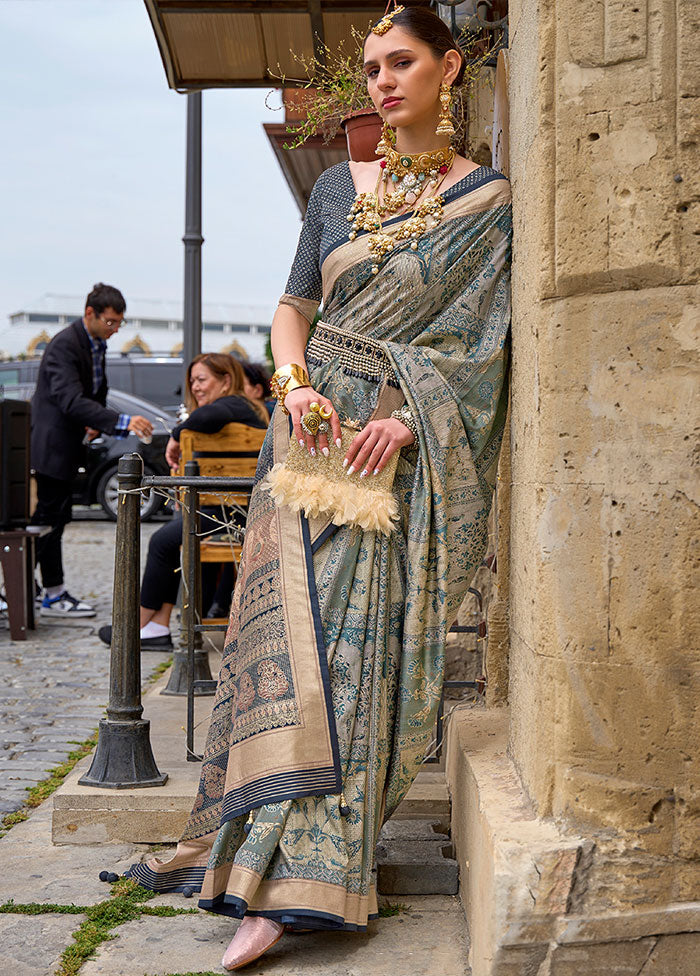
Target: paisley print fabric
[[334, 658]]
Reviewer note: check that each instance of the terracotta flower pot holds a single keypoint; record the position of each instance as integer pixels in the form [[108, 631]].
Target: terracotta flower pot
[[362, 131]]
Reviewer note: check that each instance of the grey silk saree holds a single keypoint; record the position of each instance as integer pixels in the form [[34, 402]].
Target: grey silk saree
[[333, 662]]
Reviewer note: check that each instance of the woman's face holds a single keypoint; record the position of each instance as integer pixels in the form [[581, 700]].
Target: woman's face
[[403, 77], [206, 386], [253, 391]]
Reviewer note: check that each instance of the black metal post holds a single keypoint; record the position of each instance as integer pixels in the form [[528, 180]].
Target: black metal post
[[193, 240], [179, 681], [124, 758]]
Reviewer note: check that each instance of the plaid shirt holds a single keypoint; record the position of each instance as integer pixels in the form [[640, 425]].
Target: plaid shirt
[[98, 348]]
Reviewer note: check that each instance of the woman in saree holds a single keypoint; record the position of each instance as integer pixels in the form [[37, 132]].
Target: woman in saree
[[368, 520]]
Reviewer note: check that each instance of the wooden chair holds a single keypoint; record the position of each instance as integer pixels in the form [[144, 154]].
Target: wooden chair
[[231, 453]]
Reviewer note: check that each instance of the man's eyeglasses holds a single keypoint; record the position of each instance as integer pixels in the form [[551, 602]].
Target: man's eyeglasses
[[112, 323]]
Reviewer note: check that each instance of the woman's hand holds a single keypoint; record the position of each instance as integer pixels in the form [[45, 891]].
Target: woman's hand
[[172, 453], [298, 402], [372, 448]]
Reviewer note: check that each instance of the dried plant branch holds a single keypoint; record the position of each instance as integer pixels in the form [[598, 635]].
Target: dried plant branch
[[337, 86]]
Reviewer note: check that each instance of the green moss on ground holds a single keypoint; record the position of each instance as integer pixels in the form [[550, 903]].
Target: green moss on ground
[[388, 909], [125, 904], [43, 789]]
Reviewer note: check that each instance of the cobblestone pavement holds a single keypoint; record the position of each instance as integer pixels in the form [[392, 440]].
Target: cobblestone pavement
[[54, 686]]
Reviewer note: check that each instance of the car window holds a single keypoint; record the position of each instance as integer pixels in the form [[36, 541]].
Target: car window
[[127, 403], [8, 376], [119, 375], [160, 383]]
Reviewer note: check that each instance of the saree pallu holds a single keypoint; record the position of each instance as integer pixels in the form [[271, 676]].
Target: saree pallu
[[333, 661]]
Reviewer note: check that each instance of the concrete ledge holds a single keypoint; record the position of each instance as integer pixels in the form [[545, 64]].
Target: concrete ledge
[[523, 879], [86, 815]]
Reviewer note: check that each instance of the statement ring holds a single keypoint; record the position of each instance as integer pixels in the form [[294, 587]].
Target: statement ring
[[326, 412], [310, 423]]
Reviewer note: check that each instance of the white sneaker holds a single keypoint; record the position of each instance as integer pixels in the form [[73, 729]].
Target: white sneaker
[[65, 606]]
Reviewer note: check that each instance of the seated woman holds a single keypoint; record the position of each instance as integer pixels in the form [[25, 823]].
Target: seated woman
[[257, 384], [215, 397]]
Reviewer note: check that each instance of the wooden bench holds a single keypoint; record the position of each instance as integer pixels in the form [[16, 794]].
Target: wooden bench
[[230, 453]]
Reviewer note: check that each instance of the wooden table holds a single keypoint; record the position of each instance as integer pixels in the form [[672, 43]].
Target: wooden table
[[17, 559]]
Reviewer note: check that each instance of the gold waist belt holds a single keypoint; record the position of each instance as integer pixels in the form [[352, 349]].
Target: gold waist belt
[[356, 355]]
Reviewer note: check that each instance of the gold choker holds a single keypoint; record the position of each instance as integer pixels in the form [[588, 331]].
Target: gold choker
[[410, 174]]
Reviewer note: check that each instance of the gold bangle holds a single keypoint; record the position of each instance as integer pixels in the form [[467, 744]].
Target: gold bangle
[[287, 378]]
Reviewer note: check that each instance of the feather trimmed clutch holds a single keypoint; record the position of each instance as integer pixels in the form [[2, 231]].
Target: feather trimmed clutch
[[321, 486]]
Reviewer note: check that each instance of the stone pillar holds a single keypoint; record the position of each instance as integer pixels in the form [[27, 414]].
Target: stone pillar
[[576, 811], [604, 679]]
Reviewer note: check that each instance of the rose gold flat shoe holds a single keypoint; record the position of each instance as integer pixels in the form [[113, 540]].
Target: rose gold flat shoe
[[254, 937]]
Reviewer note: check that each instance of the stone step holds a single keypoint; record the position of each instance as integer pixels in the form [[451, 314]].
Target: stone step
[[417, 867]]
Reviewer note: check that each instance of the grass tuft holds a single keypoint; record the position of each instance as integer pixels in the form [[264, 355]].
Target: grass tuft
[[37, 908], [388, 909]]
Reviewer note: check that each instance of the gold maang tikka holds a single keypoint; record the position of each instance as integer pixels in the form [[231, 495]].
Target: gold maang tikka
[[385, 24], [445, 126]]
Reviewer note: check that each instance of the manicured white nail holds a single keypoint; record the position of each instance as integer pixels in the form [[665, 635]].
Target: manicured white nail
[[376, 471], [350, 470], [363, 474], [325, 451], [312, 451], [345, 462], [338, 442], [301, 442]]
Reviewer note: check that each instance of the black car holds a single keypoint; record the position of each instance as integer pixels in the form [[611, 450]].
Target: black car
[[158, 378], [96, 483]]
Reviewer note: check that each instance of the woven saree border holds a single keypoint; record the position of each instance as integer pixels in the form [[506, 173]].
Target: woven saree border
[[234, 907], [176, 880], [293, 784]]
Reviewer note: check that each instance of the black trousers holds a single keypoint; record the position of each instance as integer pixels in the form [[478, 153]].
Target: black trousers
[[53, 508], [161, 577]]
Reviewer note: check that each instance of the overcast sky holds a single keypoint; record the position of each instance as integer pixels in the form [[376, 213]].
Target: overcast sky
[[92, 165]]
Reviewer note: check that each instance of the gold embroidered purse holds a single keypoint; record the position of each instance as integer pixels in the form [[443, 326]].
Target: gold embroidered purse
[[321, 486]]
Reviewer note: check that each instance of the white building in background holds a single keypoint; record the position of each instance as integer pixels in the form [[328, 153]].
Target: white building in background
[[153, 327]]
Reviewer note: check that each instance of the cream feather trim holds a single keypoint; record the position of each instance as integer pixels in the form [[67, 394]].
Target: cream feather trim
[[355, 503]]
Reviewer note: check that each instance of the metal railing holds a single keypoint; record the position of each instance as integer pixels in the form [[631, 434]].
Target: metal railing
[[123, 758]]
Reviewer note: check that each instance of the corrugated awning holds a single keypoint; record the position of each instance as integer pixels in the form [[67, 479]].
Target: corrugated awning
[[232, 43], [301, 167]]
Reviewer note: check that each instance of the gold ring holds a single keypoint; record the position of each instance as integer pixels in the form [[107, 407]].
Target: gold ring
[[326, 412], [310, 423], [314, 406]]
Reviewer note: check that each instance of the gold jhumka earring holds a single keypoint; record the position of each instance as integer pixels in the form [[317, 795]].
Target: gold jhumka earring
[[445, 126], [386, 141]]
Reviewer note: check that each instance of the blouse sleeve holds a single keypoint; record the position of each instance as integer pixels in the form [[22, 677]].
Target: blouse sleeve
[[304, 288]]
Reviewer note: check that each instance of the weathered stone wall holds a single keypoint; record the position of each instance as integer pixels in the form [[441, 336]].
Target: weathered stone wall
[[604, 677]]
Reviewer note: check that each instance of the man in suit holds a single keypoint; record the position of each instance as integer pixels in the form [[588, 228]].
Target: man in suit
[[68, 406]]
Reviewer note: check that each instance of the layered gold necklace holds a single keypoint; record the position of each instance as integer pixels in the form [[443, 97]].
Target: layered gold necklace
[[405, 180]]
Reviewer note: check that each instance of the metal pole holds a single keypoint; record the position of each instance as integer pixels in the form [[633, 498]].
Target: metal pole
[[190, 547], [179, 681], [123, 758], [193, 240]]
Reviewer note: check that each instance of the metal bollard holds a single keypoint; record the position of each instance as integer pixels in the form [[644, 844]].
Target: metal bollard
[[192, 602], [124, 758]]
